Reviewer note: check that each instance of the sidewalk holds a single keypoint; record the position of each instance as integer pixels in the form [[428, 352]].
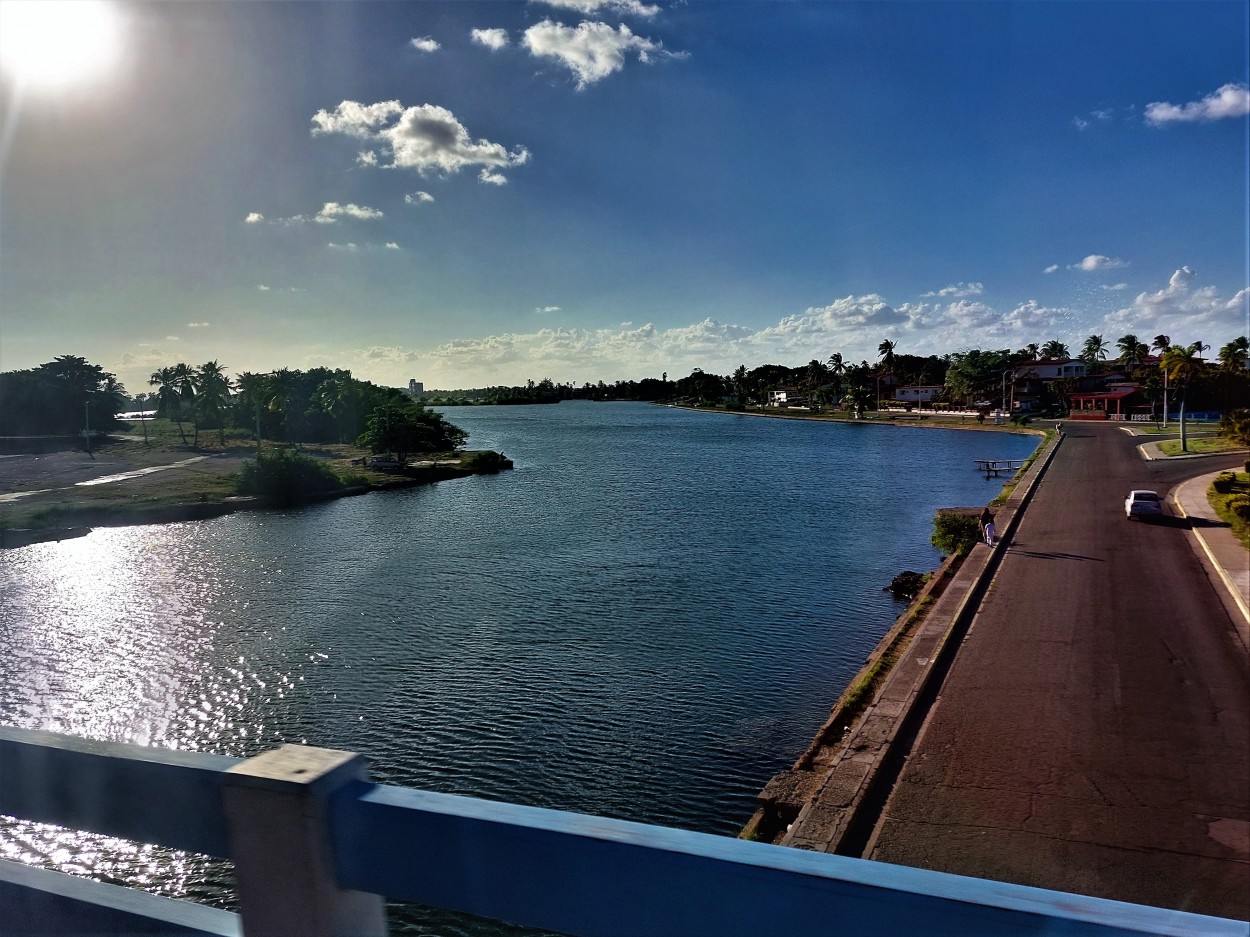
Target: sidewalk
[[1224, 552]]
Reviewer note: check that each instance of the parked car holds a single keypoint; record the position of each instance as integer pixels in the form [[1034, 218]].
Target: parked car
[[1142, 503]]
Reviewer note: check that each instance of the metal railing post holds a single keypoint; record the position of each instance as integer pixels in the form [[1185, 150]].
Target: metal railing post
[[277, 810]]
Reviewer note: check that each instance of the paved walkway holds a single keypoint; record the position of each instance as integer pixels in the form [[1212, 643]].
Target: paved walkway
[[1224, 552], [1093, 733]]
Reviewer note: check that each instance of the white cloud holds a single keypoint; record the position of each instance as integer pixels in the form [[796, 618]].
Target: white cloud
[[356, 119], [172, 338], [1115, 286], [254, 217], [1051, 269], [425, 44], [852, 325], [262, 287], [587, 7], [1231, 100], [388, 353], [1179, 309], [592, 51], [414, 198], [197, 325], [494, 39], [392, 246], [542, 309], [1098, 262], [959, 290], [426, 138], [349, 246], [333, 211], [366, 158], [491, 178], [1099, 116], [1031, 318]]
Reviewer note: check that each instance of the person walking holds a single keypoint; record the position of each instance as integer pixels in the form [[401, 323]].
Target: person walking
[[987, 526]]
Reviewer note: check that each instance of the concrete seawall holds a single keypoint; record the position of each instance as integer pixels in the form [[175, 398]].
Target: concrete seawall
[[831, 798]]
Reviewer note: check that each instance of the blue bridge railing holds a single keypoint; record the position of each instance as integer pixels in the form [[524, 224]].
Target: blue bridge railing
[[316, 846]]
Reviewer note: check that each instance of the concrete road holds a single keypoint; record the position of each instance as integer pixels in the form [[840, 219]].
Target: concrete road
[[1093, 734]]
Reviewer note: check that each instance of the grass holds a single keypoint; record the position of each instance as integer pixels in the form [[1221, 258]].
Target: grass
[[1154, 429], [1199, 444], [1222, 503]]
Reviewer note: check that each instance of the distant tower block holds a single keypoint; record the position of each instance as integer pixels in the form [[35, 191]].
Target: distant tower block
[[415, 387]]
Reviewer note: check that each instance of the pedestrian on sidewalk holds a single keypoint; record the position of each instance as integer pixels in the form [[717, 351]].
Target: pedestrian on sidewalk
[[987, 526]]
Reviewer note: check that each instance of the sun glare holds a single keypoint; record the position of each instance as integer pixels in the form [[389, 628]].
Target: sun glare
[[55, 44]]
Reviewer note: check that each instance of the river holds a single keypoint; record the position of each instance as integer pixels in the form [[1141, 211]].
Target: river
[[646, 619]]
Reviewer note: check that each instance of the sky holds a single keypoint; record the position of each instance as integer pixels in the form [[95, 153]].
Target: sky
[[472, 194]]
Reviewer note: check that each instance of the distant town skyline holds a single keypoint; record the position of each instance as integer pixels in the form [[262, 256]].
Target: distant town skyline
[[469, 194]]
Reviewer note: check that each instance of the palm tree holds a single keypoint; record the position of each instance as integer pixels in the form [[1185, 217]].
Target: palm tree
[[837, 367], [213, 396], [1094, 349], [1199, 348], [814, 377], [1180, 366], [168, 399], [741, 384], [184, 384], [1233, 355], [1132, 351], [886, 352], [1055, 349], [857, 400], [1161, 343], [254, 394]]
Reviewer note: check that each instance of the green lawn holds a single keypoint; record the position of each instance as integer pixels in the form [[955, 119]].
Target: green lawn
[[1199, 444]]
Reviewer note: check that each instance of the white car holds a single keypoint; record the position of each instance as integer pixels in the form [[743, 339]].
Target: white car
[[1142, 503]]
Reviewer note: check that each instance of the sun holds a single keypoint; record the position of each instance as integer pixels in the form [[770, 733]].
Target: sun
[[56, 44]]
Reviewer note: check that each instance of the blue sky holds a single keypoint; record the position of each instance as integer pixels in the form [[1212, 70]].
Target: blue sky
[[473, 194]]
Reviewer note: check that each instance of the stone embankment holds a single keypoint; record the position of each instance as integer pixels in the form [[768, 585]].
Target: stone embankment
[[830, 799]]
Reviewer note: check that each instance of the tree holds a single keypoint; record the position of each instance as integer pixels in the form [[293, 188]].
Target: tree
[[1180, 366], [741, 384], [1233, 355], [1055, 349], [857, 400], [1161, 343], [168, 399], [405, 428], [1094, 349], [212, 389], [814, 378]]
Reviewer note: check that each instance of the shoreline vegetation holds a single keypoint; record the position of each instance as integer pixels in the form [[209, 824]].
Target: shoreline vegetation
[[59, 493]]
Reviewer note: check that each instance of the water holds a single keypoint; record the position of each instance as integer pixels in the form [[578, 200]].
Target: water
[[646, 619]]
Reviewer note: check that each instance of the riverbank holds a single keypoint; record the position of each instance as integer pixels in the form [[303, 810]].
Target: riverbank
[[59, 495], [927, 420]]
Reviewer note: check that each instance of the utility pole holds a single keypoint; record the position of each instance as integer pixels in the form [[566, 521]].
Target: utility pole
[[86, 425]]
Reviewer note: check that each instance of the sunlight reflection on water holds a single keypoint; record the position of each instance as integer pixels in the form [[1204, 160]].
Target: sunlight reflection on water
[[646, 619]]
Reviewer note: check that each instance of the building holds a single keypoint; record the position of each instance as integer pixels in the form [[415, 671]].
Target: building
[[415, 387], [916, 393], [1030, 383]]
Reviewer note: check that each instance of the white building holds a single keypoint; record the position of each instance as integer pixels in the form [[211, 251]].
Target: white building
[[415, 387]]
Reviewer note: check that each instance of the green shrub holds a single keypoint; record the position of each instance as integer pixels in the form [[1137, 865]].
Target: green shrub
[[1223, 484], [955, 533], [1239, 506], [286, 478]]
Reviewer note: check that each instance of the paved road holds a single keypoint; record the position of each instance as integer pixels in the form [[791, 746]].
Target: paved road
[[1093, 734]]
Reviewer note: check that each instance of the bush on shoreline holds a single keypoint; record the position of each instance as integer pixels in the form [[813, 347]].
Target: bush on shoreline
[[955, 532], [286, 478]]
